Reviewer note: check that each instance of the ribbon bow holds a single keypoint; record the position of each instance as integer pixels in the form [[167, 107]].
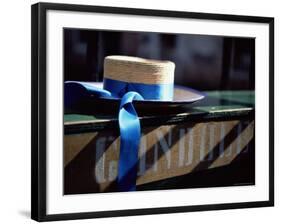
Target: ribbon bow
[[129, 124]]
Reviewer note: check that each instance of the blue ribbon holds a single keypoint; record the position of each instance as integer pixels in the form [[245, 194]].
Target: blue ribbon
[[147, 91], [130, 134], [129, 124]]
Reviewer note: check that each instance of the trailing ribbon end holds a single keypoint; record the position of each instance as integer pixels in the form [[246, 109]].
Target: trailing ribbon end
[[130, 134]]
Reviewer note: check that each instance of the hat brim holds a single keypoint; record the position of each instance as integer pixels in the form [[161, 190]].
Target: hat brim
[[105, 105], [182, 95]]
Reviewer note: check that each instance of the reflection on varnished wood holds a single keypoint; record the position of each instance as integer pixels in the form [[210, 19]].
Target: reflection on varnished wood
[[91, 159]]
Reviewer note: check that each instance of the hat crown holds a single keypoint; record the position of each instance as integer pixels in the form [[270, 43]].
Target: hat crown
[[138, 70]]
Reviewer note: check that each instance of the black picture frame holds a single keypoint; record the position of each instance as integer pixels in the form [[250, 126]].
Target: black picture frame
[[39, 122]]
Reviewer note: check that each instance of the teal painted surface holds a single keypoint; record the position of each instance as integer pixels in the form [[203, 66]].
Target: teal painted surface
[[227, 100], [217, 103], [78, 117]]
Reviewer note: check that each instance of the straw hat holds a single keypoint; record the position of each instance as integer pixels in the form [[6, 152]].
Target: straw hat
[[138, 70], [136, 73]]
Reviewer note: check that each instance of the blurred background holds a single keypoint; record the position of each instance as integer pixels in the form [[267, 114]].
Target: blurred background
[[202, 62]]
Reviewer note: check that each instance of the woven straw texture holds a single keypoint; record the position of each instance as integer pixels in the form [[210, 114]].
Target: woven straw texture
[[138, 70]]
